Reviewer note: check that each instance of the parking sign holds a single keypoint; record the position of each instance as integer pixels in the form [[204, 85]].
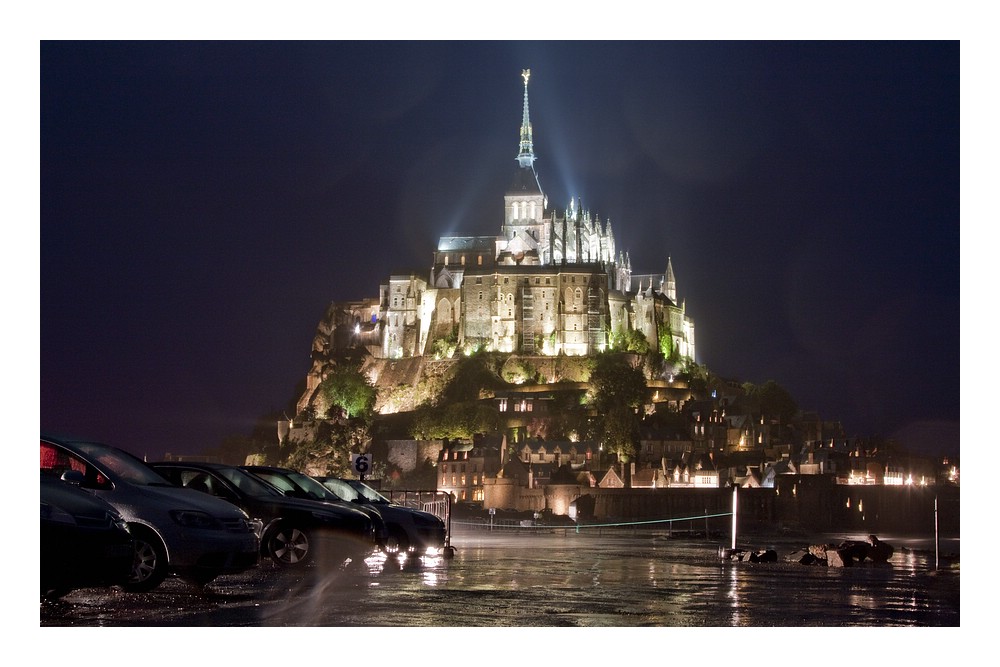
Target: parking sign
[[362, 464]]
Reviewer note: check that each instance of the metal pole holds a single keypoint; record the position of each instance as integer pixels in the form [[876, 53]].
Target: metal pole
[[937, 540], [734, 517]]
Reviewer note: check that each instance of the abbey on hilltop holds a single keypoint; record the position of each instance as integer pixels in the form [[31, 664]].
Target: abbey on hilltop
[[552, 282]]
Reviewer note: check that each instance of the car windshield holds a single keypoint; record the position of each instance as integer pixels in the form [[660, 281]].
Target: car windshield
[[341, 489], [247, 483], [370, 494], [312, 487], [122, 464]]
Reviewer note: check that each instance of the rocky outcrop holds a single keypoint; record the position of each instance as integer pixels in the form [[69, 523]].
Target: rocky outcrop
[[846, 554]]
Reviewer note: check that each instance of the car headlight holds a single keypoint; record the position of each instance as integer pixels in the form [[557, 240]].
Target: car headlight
[[196, 519]]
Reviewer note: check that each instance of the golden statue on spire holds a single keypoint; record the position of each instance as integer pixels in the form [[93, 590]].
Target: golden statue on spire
[[525, 73]]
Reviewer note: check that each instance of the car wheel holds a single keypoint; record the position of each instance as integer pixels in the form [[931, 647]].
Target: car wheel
[[289, 546], [397, 542], [149, 566]]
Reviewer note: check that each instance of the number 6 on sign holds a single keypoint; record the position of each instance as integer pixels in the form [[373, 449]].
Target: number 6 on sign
[[362, 464]]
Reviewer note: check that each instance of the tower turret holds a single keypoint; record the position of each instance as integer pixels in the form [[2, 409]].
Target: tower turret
[[670, 288], [526, 157]]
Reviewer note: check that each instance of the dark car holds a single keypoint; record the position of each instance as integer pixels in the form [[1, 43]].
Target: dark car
[[176, 531], [84, 541], [298, 485], [410, 530], [293, 532]]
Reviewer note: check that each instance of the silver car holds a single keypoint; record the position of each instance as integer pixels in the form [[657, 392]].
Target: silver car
[[176, 531]]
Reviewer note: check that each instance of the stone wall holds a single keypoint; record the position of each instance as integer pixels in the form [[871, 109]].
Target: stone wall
[[815, 505], [408, 455]]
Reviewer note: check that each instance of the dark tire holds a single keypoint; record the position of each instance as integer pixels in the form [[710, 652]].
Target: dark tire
[[149, 567], [289, 546], [398, 542]]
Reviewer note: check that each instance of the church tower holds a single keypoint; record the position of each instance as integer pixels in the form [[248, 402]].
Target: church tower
[[524, 228]]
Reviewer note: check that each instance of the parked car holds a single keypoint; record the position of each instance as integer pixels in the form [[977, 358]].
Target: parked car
[[297, 485], [293, 532], [410, 530], [84, 542], [175, 531]]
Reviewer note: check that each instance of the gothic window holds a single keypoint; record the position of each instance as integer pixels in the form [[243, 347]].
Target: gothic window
[[531, 210], [480, 260], [513, 211], [463, 260]]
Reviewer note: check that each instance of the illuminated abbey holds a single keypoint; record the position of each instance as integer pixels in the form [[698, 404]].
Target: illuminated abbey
[[550, 283]]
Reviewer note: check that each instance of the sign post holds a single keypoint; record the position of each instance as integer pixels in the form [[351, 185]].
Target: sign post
[[362, 464]]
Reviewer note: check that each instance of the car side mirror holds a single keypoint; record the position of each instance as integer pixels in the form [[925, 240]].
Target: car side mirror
[[74, 477]]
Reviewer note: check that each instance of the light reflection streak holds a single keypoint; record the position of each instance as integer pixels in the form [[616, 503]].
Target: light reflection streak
[[734, 595]]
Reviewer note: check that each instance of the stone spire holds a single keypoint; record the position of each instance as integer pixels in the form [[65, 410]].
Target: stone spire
[[526, 158], [671, 282]]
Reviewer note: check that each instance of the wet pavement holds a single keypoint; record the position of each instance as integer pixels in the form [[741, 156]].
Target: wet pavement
[[554, 578]]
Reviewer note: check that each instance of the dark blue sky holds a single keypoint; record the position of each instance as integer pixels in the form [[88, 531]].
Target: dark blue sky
[[201, 204]]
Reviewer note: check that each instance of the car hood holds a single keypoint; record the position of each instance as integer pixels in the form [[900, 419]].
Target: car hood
[[315, 506], [75, 501], [390, 510], [133, 499]]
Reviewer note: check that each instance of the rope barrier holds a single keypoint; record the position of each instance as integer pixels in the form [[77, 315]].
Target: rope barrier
[[507, 524], [641, 523]]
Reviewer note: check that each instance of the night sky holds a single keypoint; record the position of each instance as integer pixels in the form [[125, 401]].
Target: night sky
[[202, 203]]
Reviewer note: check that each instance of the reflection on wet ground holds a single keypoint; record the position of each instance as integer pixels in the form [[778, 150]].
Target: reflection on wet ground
[[558, 578]]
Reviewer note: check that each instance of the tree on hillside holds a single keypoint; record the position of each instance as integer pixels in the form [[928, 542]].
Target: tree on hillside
[[618, 390], [667, 347], [474, 377], [775, 401], [454, 421], [348, 389]]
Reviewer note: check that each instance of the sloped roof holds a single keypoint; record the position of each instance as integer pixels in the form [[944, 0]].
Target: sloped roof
[[525, 182]]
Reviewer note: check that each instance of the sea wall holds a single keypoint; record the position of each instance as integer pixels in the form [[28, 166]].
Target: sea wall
[[807, 503]]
